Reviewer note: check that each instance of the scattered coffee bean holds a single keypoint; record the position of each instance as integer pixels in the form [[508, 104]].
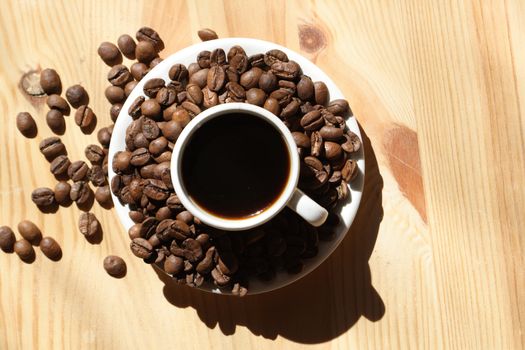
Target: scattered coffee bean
[[26, 125], [119, 75], [57, 102], [7, 239], [51, 248], [30, 231], [103, 196], [24, 250], [84, 116], [145, 52], [104, 137], [207, 34], [115, 94], [50, 81], [141, 248], [76, 95], [43, 197], [109, 53], [129, 87], [88, 225], [115, 266], [59, 165], [127, 46], [81, 193], [150, 35], [56, 122], [52, 147], [62, 190], [78, 170], [114, 111]]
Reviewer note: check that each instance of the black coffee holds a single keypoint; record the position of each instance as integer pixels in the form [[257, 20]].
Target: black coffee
[[235, 165]]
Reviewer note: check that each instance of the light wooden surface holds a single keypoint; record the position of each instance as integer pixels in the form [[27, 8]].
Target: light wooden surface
[[435, 258]]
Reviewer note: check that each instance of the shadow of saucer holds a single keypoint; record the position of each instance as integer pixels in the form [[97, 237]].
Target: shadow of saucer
[[318, 307]]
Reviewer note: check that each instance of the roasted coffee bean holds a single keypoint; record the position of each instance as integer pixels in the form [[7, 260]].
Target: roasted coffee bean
[[135, 109], [207, 34], [139, 70], [352, 143], [217, 57], [78, 170], [134, 231], [62, 190], [231, 74], [81, 193], [140, 157], [172, 130], [158, 146], [104, 137], [56, 102], [331, 133], [150, 129], [127, 46], [26, 124], [59, 165], [156, 190], [84, 116], [200, 77], [150, 35], [169, 229], [239, 63], [192, 250], [272, 105], [152, 87], [173, 265], [268, 82], [159, 168], [50, 81], [145, 52], [128, 88], [178, 72], [342, 191], [332, 150], [115, 266], [43, 197], [88, 225], [150, 108], [96, 176], [291, 109], [339, 107], [94, 154], [283, 96], [140, 141], [349, 171], [216, 78], [203, 59], [148, 227], [141, 248], [250, 79], [121, 161], [29, 231], [109, 53], [114, 111], [76, 95], [155, 61], [24, 250], [114, 94], [255, 96], [313, 163], [335, 178], [305, 88], [207, 263], [191, 108], [163, 158], [321, 93], [219, 278], [119, 75], [163, 214], [56, 122], [194, 93], [51, 248], [316, 142], [174, 203], [185, 216], [312, 120], [301, 140], [286, 70], [235, 50], [257, 60], [103, 196], [136, 215], [235, 91], [210, 98], [273, 56], [7, 239], [136, 188], [166, 97]]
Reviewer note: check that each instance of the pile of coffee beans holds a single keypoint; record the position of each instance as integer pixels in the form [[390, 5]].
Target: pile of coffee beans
[[164, 232]]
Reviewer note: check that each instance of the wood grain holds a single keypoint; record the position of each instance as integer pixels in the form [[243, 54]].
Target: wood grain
[[435, 258]]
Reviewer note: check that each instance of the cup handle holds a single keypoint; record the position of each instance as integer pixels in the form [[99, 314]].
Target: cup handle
[[307, 208]]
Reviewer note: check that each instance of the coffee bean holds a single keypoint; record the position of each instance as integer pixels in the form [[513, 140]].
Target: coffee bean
[[219, 278], [255, 96], [141, 248], [173, 265], [287, 85], [114, 111], [155, 62], [50, 81], [166, 97], [96, 175], [114, 94], [7, 239], [207, 34], [207, 263], [84, 116], [286, 70], [239, 63], [119, 75], [24, 250], [316, 142], [140, 157], [51, 248], [115, 266], [150, 129], [349, 171], [78, 170], [200, 77], [156, 190], [331, 133], [43, 197], [352, 142], [62, 190], [273, 56], [158, 145], [305, 88], [194, 93], [152, 87], [59, 165], [217, 57], [268, 82], [128, 88], [312, 120], [172, 130], [140, 141], [56, 122], [250, 79], [339, 107], [178, 72], [283, 96], [76, 96], [313, 163], [239, 290], [272, 105], [81, 193], [332, 150], [56, 102], [139, 70], [203, 59], [150, 108], [30, 231], [103, 196], [301, 140], [104, 137], [209, 99], [127, 46], [185, 216], [321, 93], [145, 52], [291, 109], [121, 161], [150, 35], [109, 53], [94, 154], [192, 250], [191, 108], [26, 124], [88, 225]]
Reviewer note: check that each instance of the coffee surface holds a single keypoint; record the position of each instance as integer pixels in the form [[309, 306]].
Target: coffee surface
[[235, 165]]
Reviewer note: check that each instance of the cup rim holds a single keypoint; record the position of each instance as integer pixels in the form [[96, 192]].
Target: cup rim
[[242, 223]]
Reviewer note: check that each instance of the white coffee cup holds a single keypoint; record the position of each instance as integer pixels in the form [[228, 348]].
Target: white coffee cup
[[291, 196]]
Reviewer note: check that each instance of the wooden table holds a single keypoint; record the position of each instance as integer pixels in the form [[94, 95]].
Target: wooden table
[[435, 258]]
